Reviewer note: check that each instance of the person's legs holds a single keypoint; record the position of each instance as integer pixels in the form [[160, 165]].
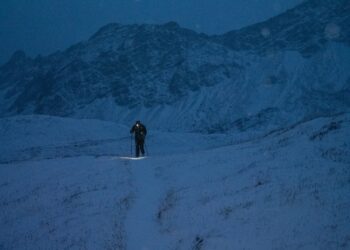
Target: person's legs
[[137, 151], [142, 148]]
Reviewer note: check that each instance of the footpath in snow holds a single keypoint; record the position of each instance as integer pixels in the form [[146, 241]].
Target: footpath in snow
[[141, 228]]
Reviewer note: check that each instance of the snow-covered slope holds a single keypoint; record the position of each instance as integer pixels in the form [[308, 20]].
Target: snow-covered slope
[[269, 75], [307, 28], [285, 190], [37, 137]]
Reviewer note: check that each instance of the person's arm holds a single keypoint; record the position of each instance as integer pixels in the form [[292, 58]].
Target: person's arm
[[145, 130], [132, 130]]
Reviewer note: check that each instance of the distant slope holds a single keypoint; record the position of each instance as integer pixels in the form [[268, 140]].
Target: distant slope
[[38, 137], [307, 28]]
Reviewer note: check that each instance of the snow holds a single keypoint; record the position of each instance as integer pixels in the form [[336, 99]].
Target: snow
[[285, 190], [53, 203], [269, 170], [141, 224]]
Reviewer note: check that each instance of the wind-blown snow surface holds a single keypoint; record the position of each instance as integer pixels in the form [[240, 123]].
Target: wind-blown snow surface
[[78, 187]]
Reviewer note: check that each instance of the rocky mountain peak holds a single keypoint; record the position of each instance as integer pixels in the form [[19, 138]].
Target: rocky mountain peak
[[171, 25], [19, 57], [105, 30]]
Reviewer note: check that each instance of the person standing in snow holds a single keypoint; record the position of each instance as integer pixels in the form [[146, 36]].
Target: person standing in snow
[[140, 134]]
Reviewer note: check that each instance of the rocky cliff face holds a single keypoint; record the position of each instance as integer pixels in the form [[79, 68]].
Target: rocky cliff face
[[291, 67], [137, 65]]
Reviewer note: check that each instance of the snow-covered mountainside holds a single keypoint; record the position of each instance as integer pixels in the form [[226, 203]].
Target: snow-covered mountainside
[[308, 28], [118, 69], [71, 184], [269, 75]]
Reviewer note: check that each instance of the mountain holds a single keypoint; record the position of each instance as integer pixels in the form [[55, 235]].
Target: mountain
[[290, 68], [126, 66], [307, 28]]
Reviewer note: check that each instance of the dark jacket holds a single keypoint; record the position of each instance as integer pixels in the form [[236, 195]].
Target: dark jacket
[[140, 131]]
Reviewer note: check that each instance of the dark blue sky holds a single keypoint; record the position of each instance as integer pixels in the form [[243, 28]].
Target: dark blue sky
[[44, 26]]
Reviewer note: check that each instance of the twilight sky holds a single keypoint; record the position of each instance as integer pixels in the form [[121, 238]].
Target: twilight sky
[[44, 26]]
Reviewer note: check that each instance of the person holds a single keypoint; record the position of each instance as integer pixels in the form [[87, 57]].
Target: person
[[140, 132]]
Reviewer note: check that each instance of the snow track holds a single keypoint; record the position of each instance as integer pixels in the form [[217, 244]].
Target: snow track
[[141, 225]]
